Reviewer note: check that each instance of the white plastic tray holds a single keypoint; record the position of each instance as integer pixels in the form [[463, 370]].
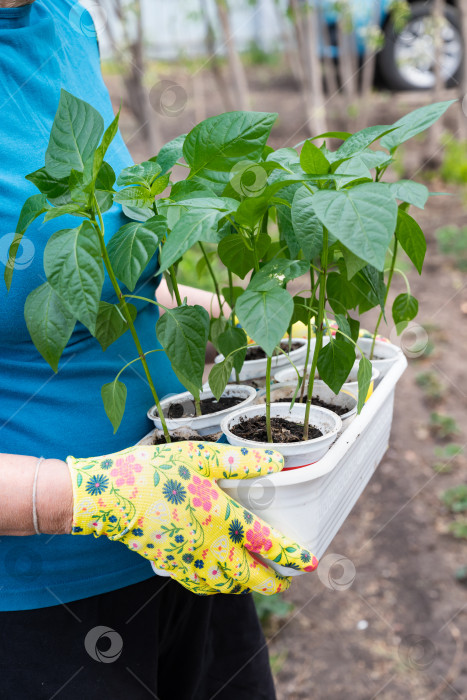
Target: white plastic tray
[[311, 504]]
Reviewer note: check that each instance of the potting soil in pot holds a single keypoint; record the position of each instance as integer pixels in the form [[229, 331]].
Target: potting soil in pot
[[187, 409], [283, 430], [340, 410], [257, 353], [177, 438]]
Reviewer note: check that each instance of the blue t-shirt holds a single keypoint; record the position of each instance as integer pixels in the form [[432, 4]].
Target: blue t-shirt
[[43, 48]]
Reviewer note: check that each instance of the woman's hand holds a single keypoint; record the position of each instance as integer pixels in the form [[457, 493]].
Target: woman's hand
[[164, 503]]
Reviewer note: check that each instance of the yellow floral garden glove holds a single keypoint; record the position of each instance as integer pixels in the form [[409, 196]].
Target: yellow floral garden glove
[[164, 503]]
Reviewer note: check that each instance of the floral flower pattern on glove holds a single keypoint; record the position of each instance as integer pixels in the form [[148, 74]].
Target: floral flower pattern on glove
[[163, 503]]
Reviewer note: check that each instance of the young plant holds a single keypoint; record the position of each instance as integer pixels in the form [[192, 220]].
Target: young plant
[[76, 180]]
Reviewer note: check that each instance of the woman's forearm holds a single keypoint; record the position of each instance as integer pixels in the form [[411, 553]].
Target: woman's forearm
[[54, 496]]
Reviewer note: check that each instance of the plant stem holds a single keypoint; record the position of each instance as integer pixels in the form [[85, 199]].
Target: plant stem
[[319, 329], [308, 335], [268, 399], [173, 279], [213, 276], [197, 405], [126, 312], [380, 317]]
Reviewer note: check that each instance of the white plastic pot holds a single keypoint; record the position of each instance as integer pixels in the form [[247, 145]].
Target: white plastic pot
[[344, 399], [310, 504], [210, 423], [351, 385], [388, 353], [184, 433], [252, 369], [295, 454]]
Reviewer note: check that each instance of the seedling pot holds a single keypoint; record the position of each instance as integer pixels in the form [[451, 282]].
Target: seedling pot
[[386, 354], [180, 433], [344, 399], [204, 425], [254, 369], [311, 504], [288, 374], [295, 454]]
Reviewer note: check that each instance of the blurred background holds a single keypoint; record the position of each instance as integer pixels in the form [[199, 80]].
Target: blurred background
[[389, 619]]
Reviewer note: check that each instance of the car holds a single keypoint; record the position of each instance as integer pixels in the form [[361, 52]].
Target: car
[[407, 58]]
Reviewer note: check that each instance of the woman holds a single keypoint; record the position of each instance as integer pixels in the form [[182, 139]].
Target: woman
[[80, 616]]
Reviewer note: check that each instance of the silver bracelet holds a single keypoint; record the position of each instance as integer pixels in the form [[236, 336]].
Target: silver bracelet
[[34, 497]]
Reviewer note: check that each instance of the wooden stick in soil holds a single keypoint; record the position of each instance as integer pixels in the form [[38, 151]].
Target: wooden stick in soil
[[319, 329], [268, 399], [126, 312]]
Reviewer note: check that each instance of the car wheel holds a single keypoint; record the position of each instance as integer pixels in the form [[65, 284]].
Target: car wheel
[[407, 59]]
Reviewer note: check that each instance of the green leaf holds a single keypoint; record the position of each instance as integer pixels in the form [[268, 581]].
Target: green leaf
[[218, 143], [335, 361], [227, 511], [56, 190], [33, 207], [50, 323], [404, 309], [362, 218], [341, 293], [183, 333], [284, 157], [365, 370], [193, 226], [142, 174], [219, 376], [216, 328], [114, 398], [414, 123], [74, 208], [133, 246], [73, 266], [111, 323], [105, 178], [362, 139], [76, 132], [312, 160], [156, 478], [237, 254], [79, 479], [138, 197], [284, 220], [302, 312], [160, 184], [410, 192], [308, 228], [375, 280], [353, 263], [109, 135], [412, 239], [265, 316], [236, 293], [277, 272], [170, 153], [234, 340], [354, 169]]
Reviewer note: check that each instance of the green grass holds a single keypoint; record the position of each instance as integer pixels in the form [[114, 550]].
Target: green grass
[[446, 457], [443, 426], [431, 385], [454, 166]]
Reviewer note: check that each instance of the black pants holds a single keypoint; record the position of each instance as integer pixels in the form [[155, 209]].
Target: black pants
[[150, 640]]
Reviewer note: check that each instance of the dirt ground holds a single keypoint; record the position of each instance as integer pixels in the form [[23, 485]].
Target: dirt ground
[[399, 631]]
